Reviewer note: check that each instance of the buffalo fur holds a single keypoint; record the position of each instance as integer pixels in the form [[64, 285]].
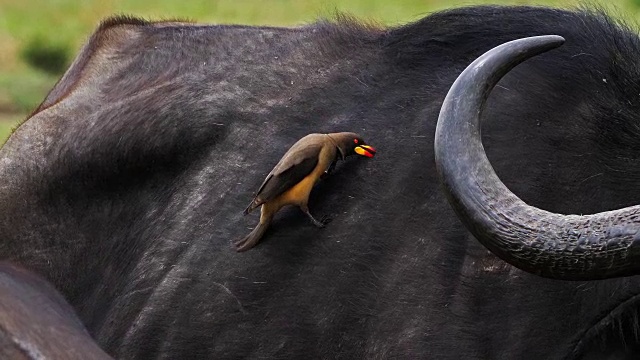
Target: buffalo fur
[[126, 187], [37, 323]]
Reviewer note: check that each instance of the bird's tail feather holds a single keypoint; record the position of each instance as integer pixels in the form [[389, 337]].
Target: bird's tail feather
[[252, 205], [252, 239]]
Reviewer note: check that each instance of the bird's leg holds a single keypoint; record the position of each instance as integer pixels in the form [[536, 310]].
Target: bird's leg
[[329, 169], [320, 224]]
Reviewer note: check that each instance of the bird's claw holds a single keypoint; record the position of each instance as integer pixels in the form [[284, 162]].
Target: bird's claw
[[323, 221]]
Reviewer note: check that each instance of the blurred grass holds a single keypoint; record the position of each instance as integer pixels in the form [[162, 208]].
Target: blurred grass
[[6, 126], [68, 23]]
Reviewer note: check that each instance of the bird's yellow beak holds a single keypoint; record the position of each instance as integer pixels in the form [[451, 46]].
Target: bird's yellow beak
[[365, 150]]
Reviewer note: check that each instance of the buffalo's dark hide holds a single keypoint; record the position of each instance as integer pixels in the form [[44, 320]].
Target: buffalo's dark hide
[[126, 187]]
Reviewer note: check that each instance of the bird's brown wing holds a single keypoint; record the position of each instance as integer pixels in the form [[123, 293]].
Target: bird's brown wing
[[294, 166], [286, 177]]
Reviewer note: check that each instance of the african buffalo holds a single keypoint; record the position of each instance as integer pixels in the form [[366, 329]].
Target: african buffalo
[[37, 323], [125, 188]]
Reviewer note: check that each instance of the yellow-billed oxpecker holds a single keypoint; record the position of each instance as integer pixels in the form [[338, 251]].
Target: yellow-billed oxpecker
[[291, 180]]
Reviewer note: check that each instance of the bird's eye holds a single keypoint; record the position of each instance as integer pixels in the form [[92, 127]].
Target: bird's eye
[[355, 141]]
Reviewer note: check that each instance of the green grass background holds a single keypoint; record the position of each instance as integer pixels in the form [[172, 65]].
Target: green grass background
[[68, 23]]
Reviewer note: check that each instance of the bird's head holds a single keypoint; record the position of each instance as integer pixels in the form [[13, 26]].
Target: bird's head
[[352, 144]]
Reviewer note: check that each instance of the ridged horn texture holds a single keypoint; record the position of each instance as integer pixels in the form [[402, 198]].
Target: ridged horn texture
[[568, 247]]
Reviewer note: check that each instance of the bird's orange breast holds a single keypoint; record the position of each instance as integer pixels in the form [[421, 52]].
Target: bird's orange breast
[[299, 193]]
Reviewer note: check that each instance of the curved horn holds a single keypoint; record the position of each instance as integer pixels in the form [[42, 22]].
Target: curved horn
[[569, 247]]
